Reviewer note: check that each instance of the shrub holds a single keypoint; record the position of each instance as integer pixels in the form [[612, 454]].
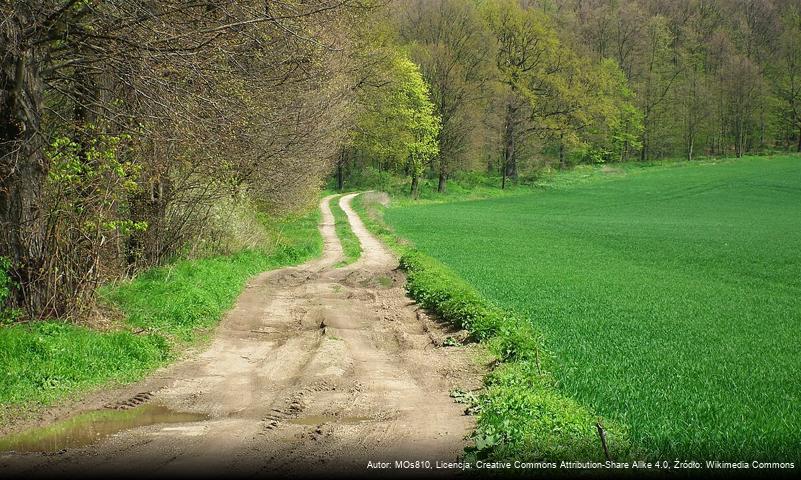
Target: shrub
[[522, 415]]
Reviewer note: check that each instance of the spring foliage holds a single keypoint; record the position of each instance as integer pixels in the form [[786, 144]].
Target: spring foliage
[[398, 126]]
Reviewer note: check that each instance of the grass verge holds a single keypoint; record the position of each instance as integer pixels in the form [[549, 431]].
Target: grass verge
[[165, 308], [521, 413], [351, 248]]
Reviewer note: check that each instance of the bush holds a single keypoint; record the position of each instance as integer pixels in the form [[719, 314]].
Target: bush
[[524, 416]]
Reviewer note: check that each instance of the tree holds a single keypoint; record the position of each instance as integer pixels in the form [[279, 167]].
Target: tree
[[604, 123], [657, 78], [786, 74], [528, 62], [740, 86], [399, 125]]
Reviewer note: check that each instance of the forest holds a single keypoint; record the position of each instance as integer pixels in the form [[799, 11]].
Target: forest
[[126, 128]]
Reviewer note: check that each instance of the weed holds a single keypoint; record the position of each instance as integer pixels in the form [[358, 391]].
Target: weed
[[450, 342]]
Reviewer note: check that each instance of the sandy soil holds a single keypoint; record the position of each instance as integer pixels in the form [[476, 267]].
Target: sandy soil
[[316, 369]]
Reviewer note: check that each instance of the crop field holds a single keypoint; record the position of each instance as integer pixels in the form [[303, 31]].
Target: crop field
[[669, 296]]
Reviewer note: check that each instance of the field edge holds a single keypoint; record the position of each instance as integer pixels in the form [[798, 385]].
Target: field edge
[[521, 414]]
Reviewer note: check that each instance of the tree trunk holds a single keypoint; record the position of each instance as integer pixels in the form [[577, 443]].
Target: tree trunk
[[690, 146], [341, 170], [562, 165], [23, 171], [738, 141], [787, 140], [415, 190], [513, 166], [644, 150], [508, 144], [442, 186], [646, 125], [799, 139]]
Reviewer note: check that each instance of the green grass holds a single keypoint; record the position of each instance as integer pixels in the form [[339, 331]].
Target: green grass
[[670, 296], [181, 299], [351, 248], [165, 308], [463, 186], [43, 361]]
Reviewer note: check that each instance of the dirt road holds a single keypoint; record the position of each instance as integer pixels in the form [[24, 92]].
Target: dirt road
[[316, 369]]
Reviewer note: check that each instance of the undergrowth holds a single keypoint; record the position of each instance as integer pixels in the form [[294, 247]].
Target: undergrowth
[[7, 315], [164, 308]]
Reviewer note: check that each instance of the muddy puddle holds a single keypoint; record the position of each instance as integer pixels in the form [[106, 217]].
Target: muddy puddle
[[321, 419], [91, 427]]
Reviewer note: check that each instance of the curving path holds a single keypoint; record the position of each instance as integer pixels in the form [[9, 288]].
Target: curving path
[[315, 370]]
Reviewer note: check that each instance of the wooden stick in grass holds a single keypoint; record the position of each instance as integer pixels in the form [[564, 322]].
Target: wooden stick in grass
[[602, 434]]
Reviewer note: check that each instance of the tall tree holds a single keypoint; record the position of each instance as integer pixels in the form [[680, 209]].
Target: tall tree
[[528, 61], [398, 126], [448, 41], [786, 74]]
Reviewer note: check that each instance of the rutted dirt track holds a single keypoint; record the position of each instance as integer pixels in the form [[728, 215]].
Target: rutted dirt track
[[317, 369]]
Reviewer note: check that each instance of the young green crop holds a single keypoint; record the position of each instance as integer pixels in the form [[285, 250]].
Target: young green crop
[[669, 296]]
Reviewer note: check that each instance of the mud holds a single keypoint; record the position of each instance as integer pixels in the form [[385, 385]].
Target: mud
[[316, 370], [93, 427]]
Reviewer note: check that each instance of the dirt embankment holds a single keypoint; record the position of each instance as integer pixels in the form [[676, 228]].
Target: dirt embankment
[[315, 370]]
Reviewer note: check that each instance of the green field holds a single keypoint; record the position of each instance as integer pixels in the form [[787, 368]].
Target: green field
[[670, 296]]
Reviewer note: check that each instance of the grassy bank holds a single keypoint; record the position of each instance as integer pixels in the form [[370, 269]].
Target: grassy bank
[[164, 309], [521, 412], [668, 294], [351, 248]]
